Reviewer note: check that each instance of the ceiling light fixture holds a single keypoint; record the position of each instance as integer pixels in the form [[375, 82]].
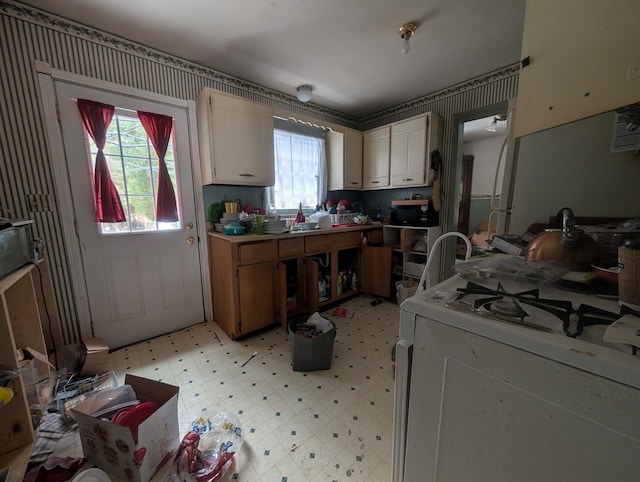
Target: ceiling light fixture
[[406, 32], [303, 92], [493, 127]]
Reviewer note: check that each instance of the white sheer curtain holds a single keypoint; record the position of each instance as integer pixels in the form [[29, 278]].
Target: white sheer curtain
[[301, 171]]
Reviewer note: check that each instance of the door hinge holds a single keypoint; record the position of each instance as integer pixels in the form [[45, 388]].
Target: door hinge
[[58, 113]]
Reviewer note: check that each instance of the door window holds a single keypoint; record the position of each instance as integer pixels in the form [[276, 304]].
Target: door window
[[133, 164]]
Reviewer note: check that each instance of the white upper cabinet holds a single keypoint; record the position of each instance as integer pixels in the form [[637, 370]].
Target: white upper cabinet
[[236, 140], [412, 141], [345, 160], [375, 158], [584, 60]]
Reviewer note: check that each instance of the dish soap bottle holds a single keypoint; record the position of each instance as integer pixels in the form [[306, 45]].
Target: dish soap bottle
[[300, 216]]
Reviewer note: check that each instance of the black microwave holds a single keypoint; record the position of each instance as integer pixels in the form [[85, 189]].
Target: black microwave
[[16, 244], [414, 212]]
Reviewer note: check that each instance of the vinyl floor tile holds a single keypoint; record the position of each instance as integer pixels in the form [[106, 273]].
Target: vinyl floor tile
[[326, 425]]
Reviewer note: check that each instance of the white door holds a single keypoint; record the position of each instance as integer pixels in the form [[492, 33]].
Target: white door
[[143, 278]]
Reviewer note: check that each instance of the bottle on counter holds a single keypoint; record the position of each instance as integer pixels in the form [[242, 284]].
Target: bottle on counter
[[378, 214]]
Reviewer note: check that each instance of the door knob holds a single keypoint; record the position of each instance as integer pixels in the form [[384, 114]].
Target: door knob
[[191, 240], [189, 225]]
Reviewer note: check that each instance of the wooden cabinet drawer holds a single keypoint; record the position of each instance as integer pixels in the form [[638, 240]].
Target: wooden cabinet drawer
[[256, 252], [317, 244], [288, 248], [328, 242], [346, 240]]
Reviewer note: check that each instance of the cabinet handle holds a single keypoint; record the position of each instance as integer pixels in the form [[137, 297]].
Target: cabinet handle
[[246, 174], [354, 183], [408, 179], [375, 182]]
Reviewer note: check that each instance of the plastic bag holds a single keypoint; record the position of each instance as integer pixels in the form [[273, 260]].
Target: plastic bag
[[207, 451], [513, 268], [322, 324]]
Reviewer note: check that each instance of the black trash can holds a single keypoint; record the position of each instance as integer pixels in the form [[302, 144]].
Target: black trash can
[[310, 353]]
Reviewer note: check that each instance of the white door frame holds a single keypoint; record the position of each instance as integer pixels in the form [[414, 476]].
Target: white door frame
[[46, 79]]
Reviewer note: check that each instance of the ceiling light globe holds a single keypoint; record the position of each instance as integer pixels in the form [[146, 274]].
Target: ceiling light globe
[[303, 93], [406, 46]]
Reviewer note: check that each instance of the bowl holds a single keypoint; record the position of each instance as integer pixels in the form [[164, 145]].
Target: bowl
[[307, 226], [608, 275]]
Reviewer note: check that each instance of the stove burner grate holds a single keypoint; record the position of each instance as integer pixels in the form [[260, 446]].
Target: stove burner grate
[[560, 308], [506, 304]]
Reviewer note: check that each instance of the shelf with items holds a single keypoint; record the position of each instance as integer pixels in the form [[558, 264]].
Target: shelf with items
[[412, 247], [20, 328]]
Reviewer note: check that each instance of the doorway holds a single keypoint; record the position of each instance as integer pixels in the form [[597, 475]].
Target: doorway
[[143, 280], [474, 122]]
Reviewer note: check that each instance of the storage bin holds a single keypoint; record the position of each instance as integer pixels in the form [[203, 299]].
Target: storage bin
[[309, 354], [403, 291]]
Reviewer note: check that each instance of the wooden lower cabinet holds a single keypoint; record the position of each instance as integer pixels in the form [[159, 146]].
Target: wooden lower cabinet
[[256, 284], [243, 280]]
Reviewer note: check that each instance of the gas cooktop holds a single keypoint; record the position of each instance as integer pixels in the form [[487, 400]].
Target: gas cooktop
[[541, 308]]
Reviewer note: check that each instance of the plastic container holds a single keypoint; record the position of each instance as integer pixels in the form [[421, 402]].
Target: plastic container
[[403, 291], [309, 354]]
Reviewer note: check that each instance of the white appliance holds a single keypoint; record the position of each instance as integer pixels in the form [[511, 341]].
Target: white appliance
[[479, 398]]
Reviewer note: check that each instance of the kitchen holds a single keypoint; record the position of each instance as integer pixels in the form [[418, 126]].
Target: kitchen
[[26, 140]]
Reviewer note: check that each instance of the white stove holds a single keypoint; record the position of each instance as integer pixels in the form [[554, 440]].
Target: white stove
[[502, 381]]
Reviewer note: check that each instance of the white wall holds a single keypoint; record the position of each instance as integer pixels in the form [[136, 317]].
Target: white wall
[[573, 166], [485, 153]]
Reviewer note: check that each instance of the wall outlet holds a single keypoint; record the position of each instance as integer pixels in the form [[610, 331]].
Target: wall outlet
[[634, 70]]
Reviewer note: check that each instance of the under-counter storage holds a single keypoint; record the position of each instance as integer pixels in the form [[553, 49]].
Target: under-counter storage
[[236, 140], [412, 247], [257, 281], [243, 281]]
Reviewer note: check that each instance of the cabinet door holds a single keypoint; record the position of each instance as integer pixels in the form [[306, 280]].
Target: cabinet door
[[375, 158], [312, 271], [236, 140], [256, 287], [408, 152], [291, 292], [375, 270], [584, 61], [345, 159], [353, 159]]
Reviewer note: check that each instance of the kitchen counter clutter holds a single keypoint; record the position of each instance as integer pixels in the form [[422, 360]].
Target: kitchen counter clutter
[[259, 280]]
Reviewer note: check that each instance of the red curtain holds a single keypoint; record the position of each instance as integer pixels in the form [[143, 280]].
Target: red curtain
[[158, 128], [96, 118]]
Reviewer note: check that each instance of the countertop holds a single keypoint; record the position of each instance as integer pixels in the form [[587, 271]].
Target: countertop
[[244, 238]]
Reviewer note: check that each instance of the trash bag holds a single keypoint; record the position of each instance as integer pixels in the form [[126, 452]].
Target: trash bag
[[207, 451]]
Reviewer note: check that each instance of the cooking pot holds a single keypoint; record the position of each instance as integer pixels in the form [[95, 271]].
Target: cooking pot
[[568, 246]]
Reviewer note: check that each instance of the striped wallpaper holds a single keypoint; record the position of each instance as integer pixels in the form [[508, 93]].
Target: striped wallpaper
[[28, 34]]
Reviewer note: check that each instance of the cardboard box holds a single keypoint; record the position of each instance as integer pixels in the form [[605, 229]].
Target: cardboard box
[[111, 447], [95, 357], [91, 357]]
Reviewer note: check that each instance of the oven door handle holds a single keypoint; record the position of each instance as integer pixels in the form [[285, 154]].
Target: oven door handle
[[402, 392]]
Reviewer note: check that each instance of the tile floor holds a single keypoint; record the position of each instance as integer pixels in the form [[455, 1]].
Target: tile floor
[[327, 425]]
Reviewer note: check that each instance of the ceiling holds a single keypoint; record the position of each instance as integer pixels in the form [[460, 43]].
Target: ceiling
[[349, 51], [476, 130]]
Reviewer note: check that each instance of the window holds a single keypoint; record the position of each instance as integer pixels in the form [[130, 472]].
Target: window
[[133, 164], [301, 167]]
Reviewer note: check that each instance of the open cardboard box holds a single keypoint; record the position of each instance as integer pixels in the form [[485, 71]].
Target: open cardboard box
[[111, 447], [91, 357]]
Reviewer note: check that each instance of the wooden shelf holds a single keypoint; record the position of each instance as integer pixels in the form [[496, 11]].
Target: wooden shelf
[[20, 327]]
